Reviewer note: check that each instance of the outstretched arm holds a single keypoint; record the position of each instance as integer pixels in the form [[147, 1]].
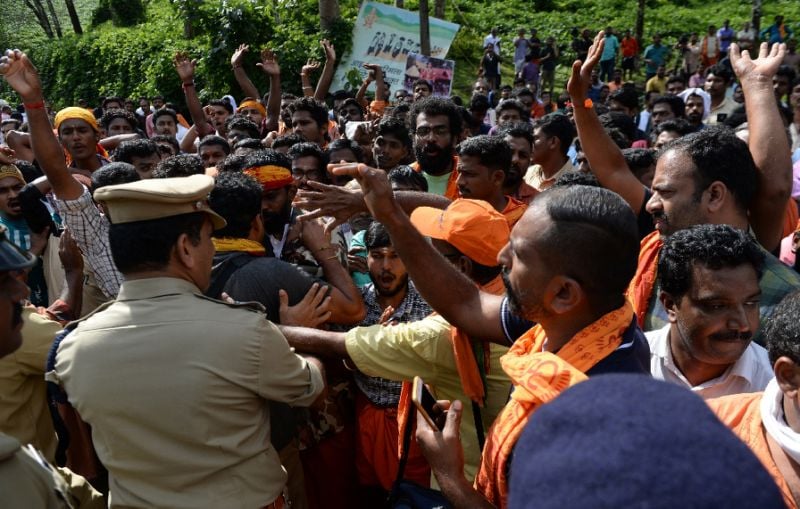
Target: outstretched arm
[[437, 280], [770, 149], [23, 77], [269, 64], [325, 80], [316, 342], [185, 68], [604, 156], [240, 74]]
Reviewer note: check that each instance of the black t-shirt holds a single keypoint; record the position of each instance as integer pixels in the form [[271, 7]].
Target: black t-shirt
[[260, 279], [548, 53]]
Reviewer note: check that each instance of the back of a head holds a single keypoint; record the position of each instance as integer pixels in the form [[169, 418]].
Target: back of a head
[[405, 178], [639, 159], [244, 124], [127, 150], [594, 240], [492, 151], [287, 140], [714, 246], [181, 165], [782, 330], [632, 441], [517, 130], [676, 125], [559, 126], [237, 198], [112, 174], [268, 157], [718, 155]]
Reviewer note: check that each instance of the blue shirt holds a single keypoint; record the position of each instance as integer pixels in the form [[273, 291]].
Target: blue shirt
[[657, 55], [611, 48]]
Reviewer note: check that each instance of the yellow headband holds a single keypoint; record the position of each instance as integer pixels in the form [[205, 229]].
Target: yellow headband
[[74, 112], [270, 176], [252, 104]]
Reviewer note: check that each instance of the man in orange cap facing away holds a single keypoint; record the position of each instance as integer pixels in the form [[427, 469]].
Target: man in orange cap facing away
[[469, 234]]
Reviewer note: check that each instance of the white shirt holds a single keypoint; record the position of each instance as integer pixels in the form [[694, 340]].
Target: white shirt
[[751, 373], [494, 40]]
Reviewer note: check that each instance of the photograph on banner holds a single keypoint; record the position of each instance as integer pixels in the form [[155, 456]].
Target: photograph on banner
[[386, 36], [436, 71]]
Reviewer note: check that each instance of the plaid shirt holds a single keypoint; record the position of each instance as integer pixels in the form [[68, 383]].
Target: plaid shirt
[[89, 228], [381, 392], [776, 282]]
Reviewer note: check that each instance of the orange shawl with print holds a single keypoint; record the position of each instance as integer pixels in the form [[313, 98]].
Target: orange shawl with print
[[741, 413], [514, 210], [466, 364], [539, 377], [452, 189], [643, 282]]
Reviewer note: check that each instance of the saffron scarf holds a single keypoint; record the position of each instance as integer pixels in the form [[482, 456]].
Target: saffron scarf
[[451, 191], [227, 244], [470, 374], [539, 377], [641, 287]]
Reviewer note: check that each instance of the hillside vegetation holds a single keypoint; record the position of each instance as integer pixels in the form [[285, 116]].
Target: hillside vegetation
[[136, 60]]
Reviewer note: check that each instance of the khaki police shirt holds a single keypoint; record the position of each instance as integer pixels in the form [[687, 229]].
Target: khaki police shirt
[[23, 394], [174, 386], [28, 481]]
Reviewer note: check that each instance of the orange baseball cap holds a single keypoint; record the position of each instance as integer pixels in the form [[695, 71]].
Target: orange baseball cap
[[472, 226]]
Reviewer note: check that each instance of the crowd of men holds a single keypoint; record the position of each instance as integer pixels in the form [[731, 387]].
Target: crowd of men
[[227, 310]]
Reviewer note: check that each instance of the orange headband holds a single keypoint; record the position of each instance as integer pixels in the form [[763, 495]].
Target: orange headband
[[270, 176], [252, 104], [74, 112]]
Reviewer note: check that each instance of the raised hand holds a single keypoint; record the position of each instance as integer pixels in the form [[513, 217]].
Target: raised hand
[[238, 55], [185, 66], [581, 78], [316, 239], [763, 68], [375, 71], [21, 75], [330, 52], [325, 200], [311, 66], [375, 186], [269, 62]]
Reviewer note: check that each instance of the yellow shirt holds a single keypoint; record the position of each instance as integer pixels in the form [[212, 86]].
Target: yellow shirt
[[23, 394], [536, 178], [174, 386], [423, 349]]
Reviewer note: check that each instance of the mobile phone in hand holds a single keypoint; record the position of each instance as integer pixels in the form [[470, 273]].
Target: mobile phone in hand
[[426, 404]]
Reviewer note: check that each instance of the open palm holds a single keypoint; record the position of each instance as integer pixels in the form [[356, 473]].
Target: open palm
[[764, 67]]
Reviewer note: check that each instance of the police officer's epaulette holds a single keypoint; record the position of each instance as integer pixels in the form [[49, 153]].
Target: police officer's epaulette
[[254, 306], [71, 325]]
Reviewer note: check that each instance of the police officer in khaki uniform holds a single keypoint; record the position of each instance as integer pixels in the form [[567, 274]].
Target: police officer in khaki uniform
[[27, 480], [175, 384]]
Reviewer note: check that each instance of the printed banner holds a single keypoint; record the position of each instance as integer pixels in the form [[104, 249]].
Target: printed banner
[[386, 35], [436, 71]]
